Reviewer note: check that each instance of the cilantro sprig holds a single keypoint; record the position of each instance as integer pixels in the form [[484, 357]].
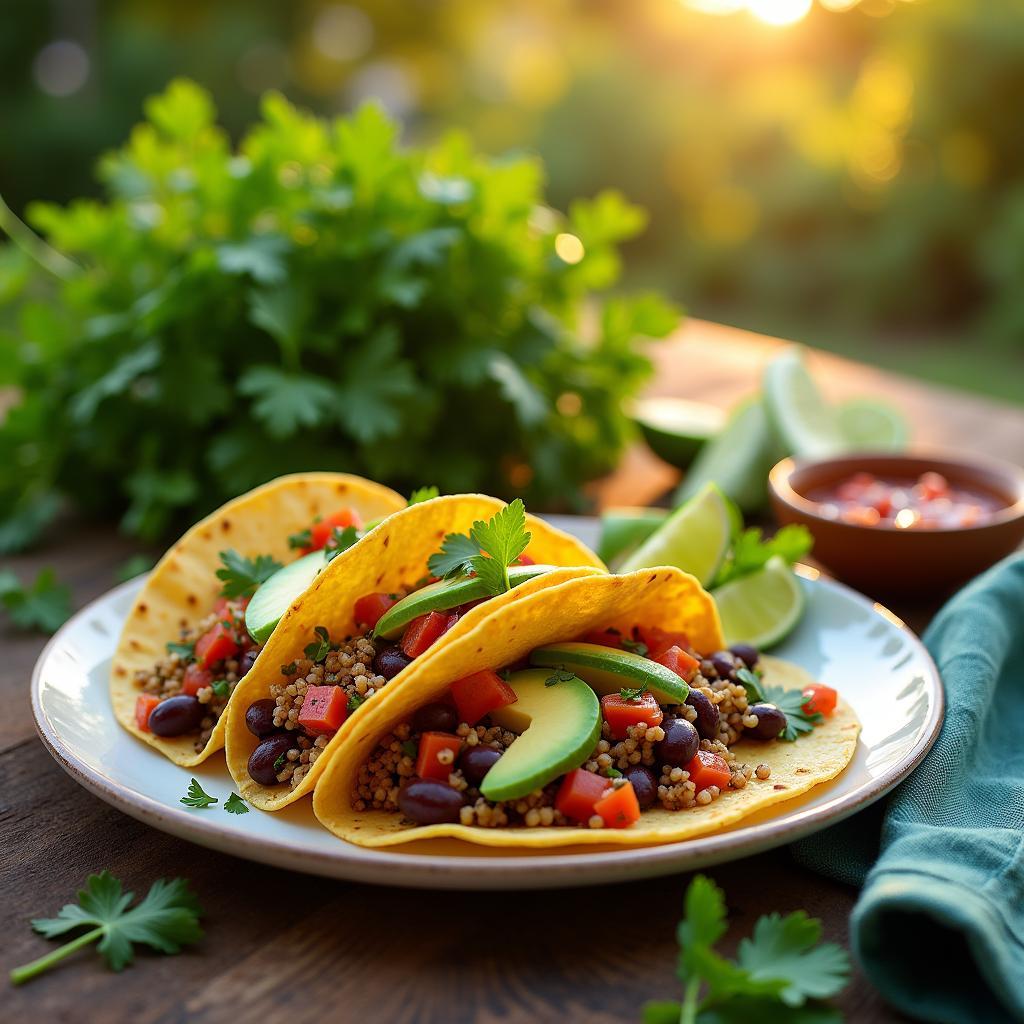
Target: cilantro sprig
[[45, 604], [631, 692], [423, 494], [793, 704], [241, 576], [165, 920], [198, 797], [781, 973], [749, 552], [560, 675], [341, 539], [488, 550], [236, 805], [320, 647]]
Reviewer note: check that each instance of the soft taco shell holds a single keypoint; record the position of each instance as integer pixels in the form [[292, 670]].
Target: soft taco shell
[[183, 587], [390, 557], [661, 597]]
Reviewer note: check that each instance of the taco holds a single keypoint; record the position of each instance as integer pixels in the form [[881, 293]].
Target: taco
[[388, 605], [599, 710], [184, 645]]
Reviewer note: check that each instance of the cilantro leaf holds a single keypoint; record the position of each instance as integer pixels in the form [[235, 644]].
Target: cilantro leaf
[[340, 540], [630, 693], [279, 763], [411, 749], [184, 651], [236, 805], [319, 648], [788, 948], [752, 684], [221, 687], [44, 605], [791, 703], [560, 675], [302, 539], [750, 553], [166, 920], [504, 538], [242, 575], [423, 494], [355, 702], [198, 797], [612, 773], [290, 669], [455, 557]]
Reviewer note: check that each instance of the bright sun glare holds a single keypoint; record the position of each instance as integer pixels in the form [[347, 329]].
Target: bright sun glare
[[771, 12]]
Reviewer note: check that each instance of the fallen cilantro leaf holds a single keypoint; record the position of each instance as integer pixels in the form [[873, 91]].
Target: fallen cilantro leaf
[[791, 703], [319, 648], [236, 805], [355, 702], [749, 552], [241, 576], [184, 651], [44, 605], [166, 920], [198, 797], [455, 557], [340, 540], [630, 693], [560, 675], [221, 687], [302, 539], [423, 494]]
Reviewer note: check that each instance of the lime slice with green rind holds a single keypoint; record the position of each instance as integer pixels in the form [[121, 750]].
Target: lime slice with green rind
[[695, 537], [737, 460], [804, 422], [676, 429], [624, 529], [761, 609], [870, 425]]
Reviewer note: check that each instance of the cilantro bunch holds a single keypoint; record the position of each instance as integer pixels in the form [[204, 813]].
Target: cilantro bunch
[[318, 298]]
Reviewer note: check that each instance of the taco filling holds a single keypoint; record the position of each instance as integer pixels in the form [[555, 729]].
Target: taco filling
[[588, 733]]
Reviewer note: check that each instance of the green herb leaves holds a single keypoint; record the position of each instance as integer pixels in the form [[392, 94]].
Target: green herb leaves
[[750, 553], [560, 675], [198, 797], [355, 702], [340, 540], [236, 805], [320, 647], [791, 702], [489, 549], [630, 693], [781, 968], [184, 651], [241, 576], [166, 920], [423, 494], [44, 605]]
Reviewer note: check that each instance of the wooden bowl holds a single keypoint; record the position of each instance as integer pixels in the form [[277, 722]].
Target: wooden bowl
[[883, 559]]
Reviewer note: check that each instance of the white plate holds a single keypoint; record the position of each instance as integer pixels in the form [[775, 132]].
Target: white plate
[[844, 639]]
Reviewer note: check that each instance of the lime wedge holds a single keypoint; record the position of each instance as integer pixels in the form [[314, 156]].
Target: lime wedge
[[761, 609], [695, 537], [870, 425], [737, 459], [805, 423], [676, 429], [624, 529]]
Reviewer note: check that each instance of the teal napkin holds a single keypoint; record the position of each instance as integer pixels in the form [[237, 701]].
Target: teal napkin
[[939, 926]]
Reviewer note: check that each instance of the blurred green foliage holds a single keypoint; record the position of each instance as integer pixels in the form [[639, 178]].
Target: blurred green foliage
[[321, 298]]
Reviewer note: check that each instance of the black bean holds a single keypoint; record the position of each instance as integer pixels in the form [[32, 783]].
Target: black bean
[[247, 660], [707, 714], [259, 718], [435, 718], [430, 803], [644, 785], [725, 664], [680, 745], [389, 661], [477, 761], [770, 722], [176, 716], [747, 654], [263, 762]]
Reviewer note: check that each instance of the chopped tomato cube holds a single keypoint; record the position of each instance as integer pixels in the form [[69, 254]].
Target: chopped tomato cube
[[578, 793], [431, 766], [619, 806], [370, 607], [660, 640], [320, 532], [215, 645], [820, 698], [479, 694], [144, 704], [684, 665], [708, 769], [196, 679], [604, 637], [621, 713], [323, 709], [423, 631]]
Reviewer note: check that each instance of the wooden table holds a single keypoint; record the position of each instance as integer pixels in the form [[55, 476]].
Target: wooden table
[[282, 947]]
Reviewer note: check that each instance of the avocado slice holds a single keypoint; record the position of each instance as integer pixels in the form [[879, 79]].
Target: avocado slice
[[274, 597], [445, 594], [558, 727], [608, 670]]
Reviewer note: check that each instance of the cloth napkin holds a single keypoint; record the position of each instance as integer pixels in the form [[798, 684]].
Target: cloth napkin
[[939, 925]]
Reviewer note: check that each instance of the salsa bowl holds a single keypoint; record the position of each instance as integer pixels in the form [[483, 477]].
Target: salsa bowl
[[881, 554]]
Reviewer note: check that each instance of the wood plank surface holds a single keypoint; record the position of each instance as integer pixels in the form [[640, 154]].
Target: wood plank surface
[[285, 947]]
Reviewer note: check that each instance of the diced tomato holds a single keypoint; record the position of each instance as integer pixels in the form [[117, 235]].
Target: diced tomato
[[578, 793], [604, 637], [320, 532], [708, 769], [820, 698], [525, 559], [428, 764], [619, 806], [195, 679], [423, 631], [479, 694], [323, 709], [215, 645], [370, 607], [620, 713], [681, 662], [660, 640], [144, 704], [933, 485]]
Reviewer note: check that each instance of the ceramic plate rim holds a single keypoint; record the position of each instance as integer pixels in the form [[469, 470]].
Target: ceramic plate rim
[[553, 870]]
